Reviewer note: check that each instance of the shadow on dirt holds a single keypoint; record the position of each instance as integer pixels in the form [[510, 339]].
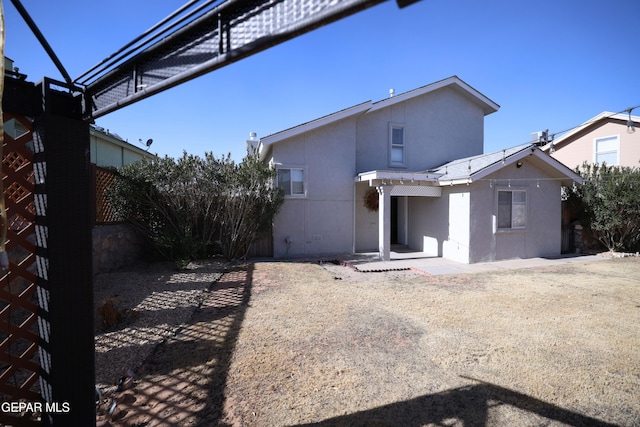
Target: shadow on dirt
[[183, 381], [468, 406]]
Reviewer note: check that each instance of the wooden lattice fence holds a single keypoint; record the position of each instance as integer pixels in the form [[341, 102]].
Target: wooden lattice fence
[[103, 180], [19, 340]]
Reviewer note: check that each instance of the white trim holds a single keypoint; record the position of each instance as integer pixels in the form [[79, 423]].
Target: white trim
[[405, 202], [314, 124], [416, 190], [490, 106], [405, 177]]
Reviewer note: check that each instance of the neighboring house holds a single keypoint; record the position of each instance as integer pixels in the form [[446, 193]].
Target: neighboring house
[[109, 150], [603, 138], [115, 244], [421, 152]]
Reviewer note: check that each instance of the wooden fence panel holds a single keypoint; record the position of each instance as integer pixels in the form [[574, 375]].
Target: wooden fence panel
[[19, 340], [103, 180]]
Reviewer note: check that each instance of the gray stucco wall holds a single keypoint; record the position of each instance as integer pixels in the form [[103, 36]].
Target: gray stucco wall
[[542, 235], [439, 226], [427, 217], [461, 225], [322, 221], [366, 222], [440, 126]]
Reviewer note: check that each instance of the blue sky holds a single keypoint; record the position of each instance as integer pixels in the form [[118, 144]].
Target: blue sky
[[549, 64]]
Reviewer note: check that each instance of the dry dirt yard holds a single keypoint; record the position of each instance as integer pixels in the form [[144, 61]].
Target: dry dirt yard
[[297, 344]]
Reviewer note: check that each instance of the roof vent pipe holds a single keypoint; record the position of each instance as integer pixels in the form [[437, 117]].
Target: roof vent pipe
[[392, 91]]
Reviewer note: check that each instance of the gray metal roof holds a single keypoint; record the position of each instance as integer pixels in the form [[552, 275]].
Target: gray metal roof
[[466, 167]]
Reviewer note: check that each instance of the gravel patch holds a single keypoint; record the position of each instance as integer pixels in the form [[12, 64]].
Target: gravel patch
[[153, 301]]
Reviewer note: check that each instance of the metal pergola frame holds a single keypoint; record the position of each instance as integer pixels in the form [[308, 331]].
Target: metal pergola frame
[[205, 39], [189, 43]]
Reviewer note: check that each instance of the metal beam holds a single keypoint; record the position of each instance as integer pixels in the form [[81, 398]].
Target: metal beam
[[220, 36], [43, 41]]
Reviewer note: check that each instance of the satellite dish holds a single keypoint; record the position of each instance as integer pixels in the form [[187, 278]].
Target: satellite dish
[[149, 142]]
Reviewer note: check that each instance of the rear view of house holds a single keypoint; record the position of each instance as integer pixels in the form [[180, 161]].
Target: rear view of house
[[410, 170]]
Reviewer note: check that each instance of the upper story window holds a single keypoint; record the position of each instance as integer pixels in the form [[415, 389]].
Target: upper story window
[[607, 150], [397, 147], [512, 209], [291, 180]]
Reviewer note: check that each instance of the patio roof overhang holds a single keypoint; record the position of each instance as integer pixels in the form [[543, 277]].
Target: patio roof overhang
[[403, 183], [378, 177]]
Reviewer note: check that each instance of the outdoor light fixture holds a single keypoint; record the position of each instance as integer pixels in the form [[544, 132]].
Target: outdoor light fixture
[[630, 127]]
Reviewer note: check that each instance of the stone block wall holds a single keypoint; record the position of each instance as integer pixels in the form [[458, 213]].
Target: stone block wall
[[115, 246]]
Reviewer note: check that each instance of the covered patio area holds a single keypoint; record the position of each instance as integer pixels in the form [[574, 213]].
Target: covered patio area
[[390, 218]]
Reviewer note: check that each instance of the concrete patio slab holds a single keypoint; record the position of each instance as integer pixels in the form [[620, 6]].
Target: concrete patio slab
[[437, 266]]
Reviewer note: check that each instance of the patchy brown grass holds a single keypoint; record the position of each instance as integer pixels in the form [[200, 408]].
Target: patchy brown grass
[[324, 345], [297, 344]]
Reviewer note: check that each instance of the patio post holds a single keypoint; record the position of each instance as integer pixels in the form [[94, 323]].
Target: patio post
[[384, 222], [64, 255]]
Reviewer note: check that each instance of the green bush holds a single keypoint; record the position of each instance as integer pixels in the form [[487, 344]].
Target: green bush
[[190, 206], [608, 205]]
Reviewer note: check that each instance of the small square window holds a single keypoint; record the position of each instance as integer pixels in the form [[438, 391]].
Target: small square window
[[291, 181], [512, 209]]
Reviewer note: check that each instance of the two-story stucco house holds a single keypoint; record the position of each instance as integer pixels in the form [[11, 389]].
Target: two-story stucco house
[[410, 170], [609, 138]]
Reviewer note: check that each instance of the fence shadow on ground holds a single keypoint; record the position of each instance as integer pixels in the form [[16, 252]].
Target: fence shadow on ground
[[467, 406], [183, 381]]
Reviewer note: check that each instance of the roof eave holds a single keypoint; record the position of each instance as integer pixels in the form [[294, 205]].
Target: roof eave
[[314, 124], [605, 115], [572, 177], [489, 105], [119, 142], [378, 175]]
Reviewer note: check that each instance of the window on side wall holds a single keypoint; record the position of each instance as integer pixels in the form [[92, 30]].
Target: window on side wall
[[291, 180], [606, 150], [512, 209], [397, 152]]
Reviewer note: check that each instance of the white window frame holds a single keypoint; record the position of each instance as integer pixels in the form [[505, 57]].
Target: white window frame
[[304, 181], [512, 205], [392, 163], [596, 153]]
